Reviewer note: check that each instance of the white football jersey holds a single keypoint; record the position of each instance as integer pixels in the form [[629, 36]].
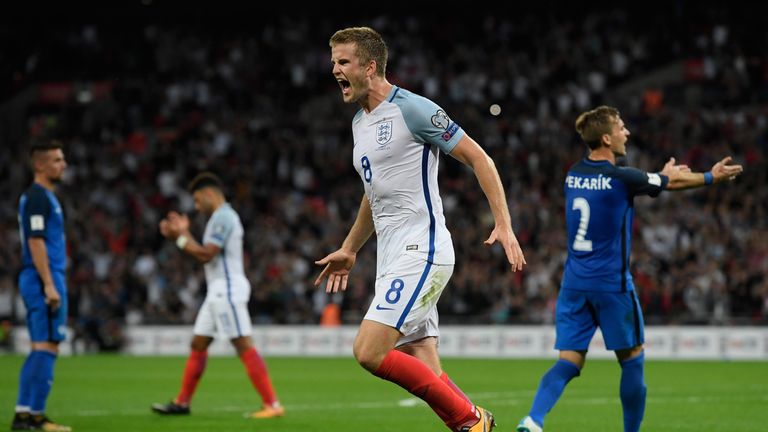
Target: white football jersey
[[224, 273], [396, 155]]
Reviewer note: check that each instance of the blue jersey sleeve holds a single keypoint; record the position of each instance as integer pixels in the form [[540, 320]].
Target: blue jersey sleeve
[[430, 123], [639, 182], [35, 213], [222, 224]]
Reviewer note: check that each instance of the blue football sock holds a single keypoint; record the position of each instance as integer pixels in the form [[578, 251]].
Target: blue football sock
[[42, 380], [24, 400], [633, 392], [551, 387]]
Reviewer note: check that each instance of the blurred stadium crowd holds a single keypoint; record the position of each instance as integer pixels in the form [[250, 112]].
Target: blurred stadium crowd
[[142, 109]]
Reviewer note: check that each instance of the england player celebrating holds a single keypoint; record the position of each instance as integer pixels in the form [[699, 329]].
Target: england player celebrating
[[397, 139], [597, 289], [226, 304]]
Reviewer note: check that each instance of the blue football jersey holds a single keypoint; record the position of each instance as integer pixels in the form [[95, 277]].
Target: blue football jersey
[[598, 210], [41, 215]]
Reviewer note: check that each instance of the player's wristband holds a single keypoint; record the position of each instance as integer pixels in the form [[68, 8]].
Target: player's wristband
[[708, 179], [182, 241]]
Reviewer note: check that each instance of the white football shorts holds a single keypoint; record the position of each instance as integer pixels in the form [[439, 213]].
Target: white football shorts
[[222, 317], [406, 296]]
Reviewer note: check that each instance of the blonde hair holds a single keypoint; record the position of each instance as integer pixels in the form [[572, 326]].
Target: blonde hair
[[593, 124], [369, 45]]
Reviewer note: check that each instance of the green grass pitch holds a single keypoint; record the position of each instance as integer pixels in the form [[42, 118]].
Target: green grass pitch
[[99, 393]]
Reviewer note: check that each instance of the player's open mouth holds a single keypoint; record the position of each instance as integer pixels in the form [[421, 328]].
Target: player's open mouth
[[345, 86]]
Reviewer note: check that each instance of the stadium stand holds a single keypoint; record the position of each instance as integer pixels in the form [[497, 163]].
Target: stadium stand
[[143, 108]]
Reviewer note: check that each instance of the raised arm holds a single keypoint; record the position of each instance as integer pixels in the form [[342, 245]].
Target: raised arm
[[468, 152], [176, 227], [338, 264], [681, 177]]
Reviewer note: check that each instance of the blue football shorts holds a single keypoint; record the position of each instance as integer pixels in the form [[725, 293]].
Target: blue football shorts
[[44, 324], [580, 313]]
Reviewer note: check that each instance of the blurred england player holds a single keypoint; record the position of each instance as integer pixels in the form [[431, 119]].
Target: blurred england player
[[225, 308], [398, 136], [597, 288]]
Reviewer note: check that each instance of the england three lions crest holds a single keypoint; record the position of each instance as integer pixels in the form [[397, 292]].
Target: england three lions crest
[[384, 132]]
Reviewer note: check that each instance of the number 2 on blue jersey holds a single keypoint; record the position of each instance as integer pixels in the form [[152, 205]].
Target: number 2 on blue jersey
[[580, 243], [366, 164]]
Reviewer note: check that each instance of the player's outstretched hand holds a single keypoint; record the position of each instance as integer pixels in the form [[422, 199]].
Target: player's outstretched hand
[[337, 266], [673, 171], [505, 236], [723, 171]]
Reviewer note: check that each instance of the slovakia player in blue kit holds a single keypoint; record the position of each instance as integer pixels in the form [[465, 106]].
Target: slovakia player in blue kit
[[398, 137], [597, 289], [43, 286]]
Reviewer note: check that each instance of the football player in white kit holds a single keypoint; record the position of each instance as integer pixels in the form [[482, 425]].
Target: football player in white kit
[[225, 309], [397, 139]]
